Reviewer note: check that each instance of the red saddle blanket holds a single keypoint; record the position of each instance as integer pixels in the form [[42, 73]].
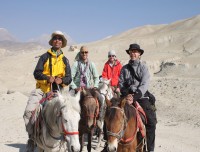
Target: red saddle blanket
[[140, 113]]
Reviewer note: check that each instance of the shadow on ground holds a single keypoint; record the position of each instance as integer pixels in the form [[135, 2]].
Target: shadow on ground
[[19, 146]]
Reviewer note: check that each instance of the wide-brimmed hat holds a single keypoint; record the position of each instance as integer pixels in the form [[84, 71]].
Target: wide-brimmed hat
[[64, 42], [135, 47]]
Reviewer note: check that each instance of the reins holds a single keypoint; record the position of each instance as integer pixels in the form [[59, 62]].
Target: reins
[[119, 135], [96, 114]]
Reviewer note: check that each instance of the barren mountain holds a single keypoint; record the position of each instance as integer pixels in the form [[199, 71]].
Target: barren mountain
[[172, 53]]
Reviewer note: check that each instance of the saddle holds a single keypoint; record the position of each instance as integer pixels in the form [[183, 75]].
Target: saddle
[[37, 117], [141, 119]]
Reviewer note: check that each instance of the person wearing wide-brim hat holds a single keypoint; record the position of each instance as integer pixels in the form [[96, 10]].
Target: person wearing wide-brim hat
[[135, 47], [134, 82], [59, 34], [52, 73]]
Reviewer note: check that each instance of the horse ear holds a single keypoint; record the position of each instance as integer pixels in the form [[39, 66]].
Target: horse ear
[[84, 92], [123, 102], [78, 94], [108, 81]]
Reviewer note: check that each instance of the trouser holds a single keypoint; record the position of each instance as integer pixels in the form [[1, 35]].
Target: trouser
[[151, 123], [33, 102]]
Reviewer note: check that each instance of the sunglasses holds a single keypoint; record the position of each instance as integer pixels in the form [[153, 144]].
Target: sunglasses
[[84, 52], [111, 56], [57, 38], [134, 51]]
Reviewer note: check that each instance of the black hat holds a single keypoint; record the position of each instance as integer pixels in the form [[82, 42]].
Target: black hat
[[135, 47]]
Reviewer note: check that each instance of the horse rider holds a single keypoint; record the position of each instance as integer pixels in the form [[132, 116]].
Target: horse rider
[[52, 73], [85, 75], [112, 70], [134, 82]]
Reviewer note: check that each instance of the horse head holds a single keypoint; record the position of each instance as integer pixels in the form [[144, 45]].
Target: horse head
[[121, 126], [62, 115], [105, 89], [89, 107]]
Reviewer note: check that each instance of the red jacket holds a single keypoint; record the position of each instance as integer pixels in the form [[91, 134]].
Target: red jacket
[[112, 72]]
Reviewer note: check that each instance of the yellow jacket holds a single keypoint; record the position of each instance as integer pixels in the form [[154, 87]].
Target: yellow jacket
[[60, 68]]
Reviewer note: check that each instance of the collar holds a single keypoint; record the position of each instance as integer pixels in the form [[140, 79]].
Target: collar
[[134, 62]]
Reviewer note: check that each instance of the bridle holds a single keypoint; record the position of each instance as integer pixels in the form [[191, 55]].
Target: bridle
[[64, 132], [120, 133], [96, 113]]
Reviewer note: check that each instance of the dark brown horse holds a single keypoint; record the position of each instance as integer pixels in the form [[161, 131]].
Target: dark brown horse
[[122, 127], [89, 115]]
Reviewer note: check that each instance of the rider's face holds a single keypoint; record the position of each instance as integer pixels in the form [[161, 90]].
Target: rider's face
[[134, 54]]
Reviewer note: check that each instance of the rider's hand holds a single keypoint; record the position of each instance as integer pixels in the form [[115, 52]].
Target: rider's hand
[[58, 80], [77, 90], [50, 79], [129, 98], [117, 90]]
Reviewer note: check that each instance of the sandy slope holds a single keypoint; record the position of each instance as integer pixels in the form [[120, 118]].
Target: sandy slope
[[172, 54]]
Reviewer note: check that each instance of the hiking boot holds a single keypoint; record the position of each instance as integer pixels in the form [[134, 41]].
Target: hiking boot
[[30, 146]]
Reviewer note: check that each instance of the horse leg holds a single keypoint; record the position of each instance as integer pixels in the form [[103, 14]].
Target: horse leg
[[89, 145], [100, 135], [81, 140]]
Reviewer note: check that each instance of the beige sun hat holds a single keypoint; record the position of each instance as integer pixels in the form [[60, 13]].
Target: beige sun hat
[[60, 34]]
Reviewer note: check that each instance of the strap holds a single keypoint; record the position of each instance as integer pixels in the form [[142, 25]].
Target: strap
[[50, 64], [132, 71]]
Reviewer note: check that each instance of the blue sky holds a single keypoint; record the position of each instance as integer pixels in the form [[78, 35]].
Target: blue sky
[[89, 20]]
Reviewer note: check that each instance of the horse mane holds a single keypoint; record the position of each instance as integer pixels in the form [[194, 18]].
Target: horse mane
[[87, 92], [64, 100], [49, 109], [128, 109], [72, 100], [111, 111]]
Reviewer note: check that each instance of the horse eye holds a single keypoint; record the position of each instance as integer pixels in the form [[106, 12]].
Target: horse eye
[[65, 120]]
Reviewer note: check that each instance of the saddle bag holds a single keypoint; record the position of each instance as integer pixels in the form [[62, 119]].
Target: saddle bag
[[152, 98]]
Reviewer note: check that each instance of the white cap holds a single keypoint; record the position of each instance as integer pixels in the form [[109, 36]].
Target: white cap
[[111, 52]]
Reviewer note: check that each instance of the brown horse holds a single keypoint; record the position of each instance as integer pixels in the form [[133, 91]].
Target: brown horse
[[122, 127], [89, 115]]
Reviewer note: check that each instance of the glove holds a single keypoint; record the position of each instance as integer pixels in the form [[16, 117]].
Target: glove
[[137, 95], [129, 99]]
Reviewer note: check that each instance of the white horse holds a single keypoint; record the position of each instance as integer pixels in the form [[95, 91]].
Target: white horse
[[105, 89], [60, 116]]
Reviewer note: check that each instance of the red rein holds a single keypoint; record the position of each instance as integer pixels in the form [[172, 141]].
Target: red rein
[[68, 133]]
